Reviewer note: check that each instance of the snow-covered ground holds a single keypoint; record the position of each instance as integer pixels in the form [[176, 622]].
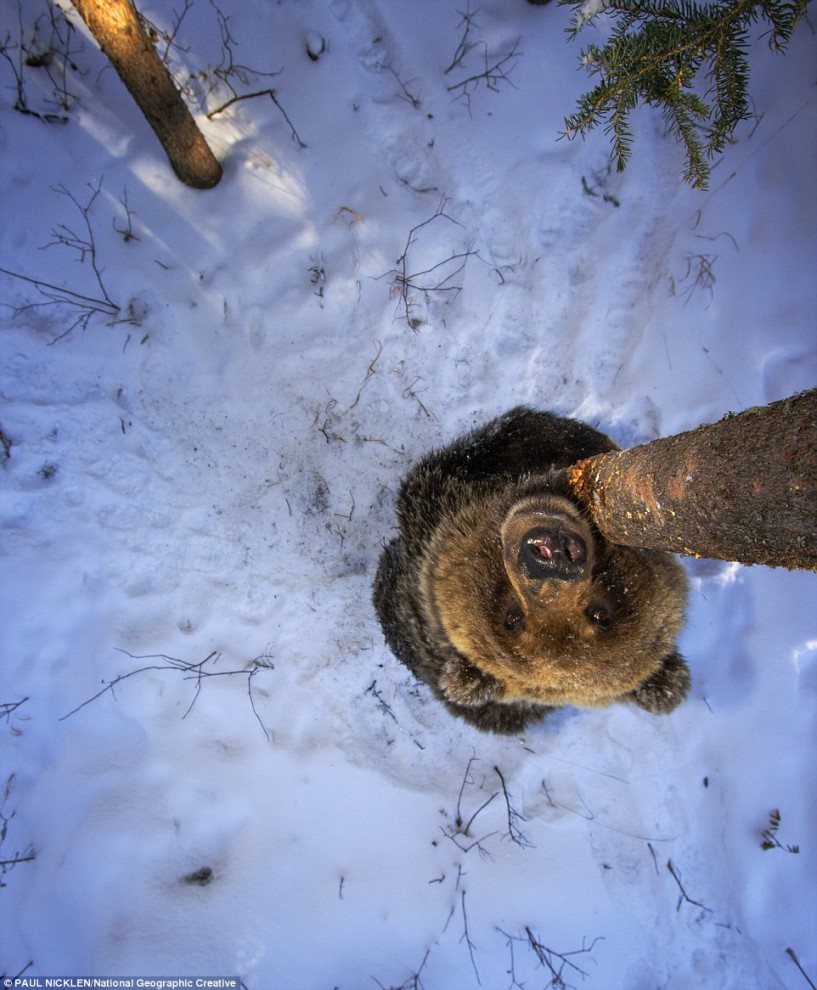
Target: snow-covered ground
[[203, 489]]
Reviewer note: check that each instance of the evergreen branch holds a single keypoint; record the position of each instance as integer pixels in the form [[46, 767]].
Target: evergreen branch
[[655, 54], [679, 114]]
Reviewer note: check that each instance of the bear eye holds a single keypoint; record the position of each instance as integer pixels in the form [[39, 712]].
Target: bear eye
[[600, 616], [514, 620]]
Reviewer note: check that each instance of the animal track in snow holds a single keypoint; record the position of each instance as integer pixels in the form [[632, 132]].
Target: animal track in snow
[[397, 130]]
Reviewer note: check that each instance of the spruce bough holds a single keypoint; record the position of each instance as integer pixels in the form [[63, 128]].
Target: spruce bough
[[689, 59]]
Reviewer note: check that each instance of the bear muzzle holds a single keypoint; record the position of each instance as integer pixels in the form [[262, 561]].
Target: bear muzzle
[[552, 552], [545, 538]]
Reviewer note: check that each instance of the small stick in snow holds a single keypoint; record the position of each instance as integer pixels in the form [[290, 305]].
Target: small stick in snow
[[793, 956], [467, 938], [684, 895], [513, 815]]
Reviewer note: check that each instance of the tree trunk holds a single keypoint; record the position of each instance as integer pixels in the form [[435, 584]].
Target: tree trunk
[[742, 489], [121, 35]]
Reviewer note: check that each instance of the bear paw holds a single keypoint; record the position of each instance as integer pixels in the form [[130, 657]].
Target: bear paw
[[464, 684], [666, 689]]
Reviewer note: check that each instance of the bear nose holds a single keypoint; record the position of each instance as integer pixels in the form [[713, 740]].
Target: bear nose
[[552, 552]]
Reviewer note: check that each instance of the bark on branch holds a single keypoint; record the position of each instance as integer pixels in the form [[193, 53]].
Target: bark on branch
[[121, 35], [742, 489]]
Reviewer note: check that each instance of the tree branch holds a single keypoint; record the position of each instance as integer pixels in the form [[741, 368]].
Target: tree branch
[[742, 489]]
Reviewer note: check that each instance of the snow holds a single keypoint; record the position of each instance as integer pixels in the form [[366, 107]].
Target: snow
[[204, 491], [587, 11]]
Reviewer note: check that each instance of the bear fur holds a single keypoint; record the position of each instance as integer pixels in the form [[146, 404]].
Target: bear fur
[[500, 594]]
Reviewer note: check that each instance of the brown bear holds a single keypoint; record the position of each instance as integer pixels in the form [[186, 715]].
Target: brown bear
[[501, 596]]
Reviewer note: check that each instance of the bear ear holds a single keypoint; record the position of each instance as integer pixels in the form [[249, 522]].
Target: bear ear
[[666, 688], [464, 684]]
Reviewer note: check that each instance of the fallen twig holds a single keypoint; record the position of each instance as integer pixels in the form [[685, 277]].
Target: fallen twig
[[251, 96], [190, 670], [684, 896], [793, 956]]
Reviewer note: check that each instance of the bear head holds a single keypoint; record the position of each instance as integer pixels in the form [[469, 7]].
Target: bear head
[[526, 602]]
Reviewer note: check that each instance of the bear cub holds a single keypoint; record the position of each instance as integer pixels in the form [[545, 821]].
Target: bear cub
[[500, 595]]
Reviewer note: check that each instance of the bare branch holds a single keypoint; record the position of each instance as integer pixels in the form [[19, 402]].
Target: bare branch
[[413, 982], [16, 857], [9, 707], [384, 705], [228, 71], [462, 829], [168, 37], [58, 294], [405, 95], [190, 671], [250, 96], [513, 815], [83, 243], [467, 939], [126, 231], [793, 956], [494, 71], [453, 836], [555, 962], [405, 284], [16, 977], [48, 49], [684, 896], [465, 781], [465, 44]]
